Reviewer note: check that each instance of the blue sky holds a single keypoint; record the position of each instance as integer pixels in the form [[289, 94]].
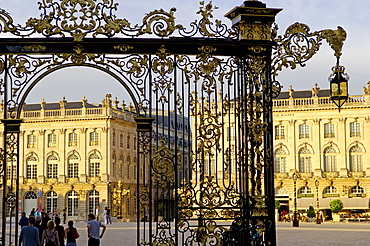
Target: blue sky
[[318, 14]]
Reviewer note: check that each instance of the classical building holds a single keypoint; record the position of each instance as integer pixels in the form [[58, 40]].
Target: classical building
[[80, 156], [327, 148]]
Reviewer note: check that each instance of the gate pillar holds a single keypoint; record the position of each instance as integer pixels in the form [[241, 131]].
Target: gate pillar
[[10, 201], [254, 22]]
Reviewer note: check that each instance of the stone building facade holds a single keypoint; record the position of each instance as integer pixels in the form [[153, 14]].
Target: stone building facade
[[328, 148], [80, 156]]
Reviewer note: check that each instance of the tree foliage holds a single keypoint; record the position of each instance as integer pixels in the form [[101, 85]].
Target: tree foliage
[[311, 212], [336, 205], [277, 204]]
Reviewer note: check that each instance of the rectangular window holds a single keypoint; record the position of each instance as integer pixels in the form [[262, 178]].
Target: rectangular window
[[121, 140], [280, 165], [52, 171], [329, 131], [31, 171], [304, 131], [114, 139], [305, 164], [354, 129], [94, 169], [128, 141], [72, 139], [31, 141], [94, 138], [72, 170], [279, 132], [52, 140]]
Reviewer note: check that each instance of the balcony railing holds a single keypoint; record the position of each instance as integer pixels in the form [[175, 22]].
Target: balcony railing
[[320, 102]]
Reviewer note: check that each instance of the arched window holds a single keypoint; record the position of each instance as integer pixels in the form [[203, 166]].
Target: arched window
[[305, 191], [30, 195], [128, 141], [330, 191], [94, 165], [114, 139], [51, 202], [134, 143], [120, 170], [304, 157], [281, 192], [355, 159], [52, 167], [114, 166], [357, 191], [330, 160], [121, 140], [72, 198], [73, 166], [31, 167], [280, 161], [93, 201]]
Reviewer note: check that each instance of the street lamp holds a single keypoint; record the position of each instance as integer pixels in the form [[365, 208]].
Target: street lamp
[[318, 219], [338, 85], [296, 216]]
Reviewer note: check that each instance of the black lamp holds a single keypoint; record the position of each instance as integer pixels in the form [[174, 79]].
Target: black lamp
[[338, 85]]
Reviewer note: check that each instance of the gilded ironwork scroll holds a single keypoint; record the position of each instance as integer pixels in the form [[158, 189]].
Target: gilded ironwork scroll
[[299, 44]]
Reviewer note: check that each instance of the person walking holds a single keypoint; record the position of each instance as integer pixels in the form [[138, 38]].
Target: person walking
[[24, 220], [71, 234], [60, 230], [107, 218], [97, 213], [50, 234], [64, 215], [93, 230], [32, 213], [29, 234]]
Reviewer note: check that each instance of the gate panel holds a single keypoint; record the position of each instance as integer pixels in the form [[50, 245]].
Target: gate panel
[[203, 111]]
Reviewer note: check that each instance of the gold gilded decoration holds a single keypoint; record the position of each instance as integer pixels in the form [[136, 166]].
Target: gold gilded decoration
[[123, 47], [7, 23], [254, 31], [160, 23], [256, 49], [35, 48], [335, 38], [205, 10], [299, 44], [162, 65]]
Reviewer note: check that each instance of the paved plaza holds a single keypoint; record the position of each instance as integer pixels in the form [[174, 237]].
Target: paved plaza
[[307, 234]]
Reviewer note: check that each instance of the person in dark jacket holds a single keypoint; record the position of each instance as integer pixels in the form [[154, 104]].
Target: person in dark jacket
[[60, 230], [24, 220]]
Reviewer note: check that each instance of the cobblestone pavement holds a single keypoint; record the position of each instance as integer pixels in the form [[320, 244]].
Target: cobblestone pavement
[[307, 234]]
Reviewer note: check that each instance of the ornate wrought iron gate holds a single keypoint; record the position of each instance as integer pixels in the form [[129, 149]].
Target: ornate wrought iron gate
[[203, 101]]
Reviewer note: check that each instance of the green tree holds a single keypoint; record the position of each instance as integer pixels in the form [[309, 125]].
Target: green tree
[[336, 205], [311, 212], [277, 204]]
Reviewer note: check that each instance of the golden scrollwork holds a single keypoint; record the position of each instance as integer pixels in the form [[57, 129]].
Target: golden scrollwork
[[299, 44], [35, 48], [7, 23], [123, 47], [160, 23], [254, 31]]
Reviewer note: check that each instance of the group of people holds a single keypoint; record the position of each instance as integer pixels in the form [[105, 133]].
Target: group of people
[[106, 214], [36, 231]]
